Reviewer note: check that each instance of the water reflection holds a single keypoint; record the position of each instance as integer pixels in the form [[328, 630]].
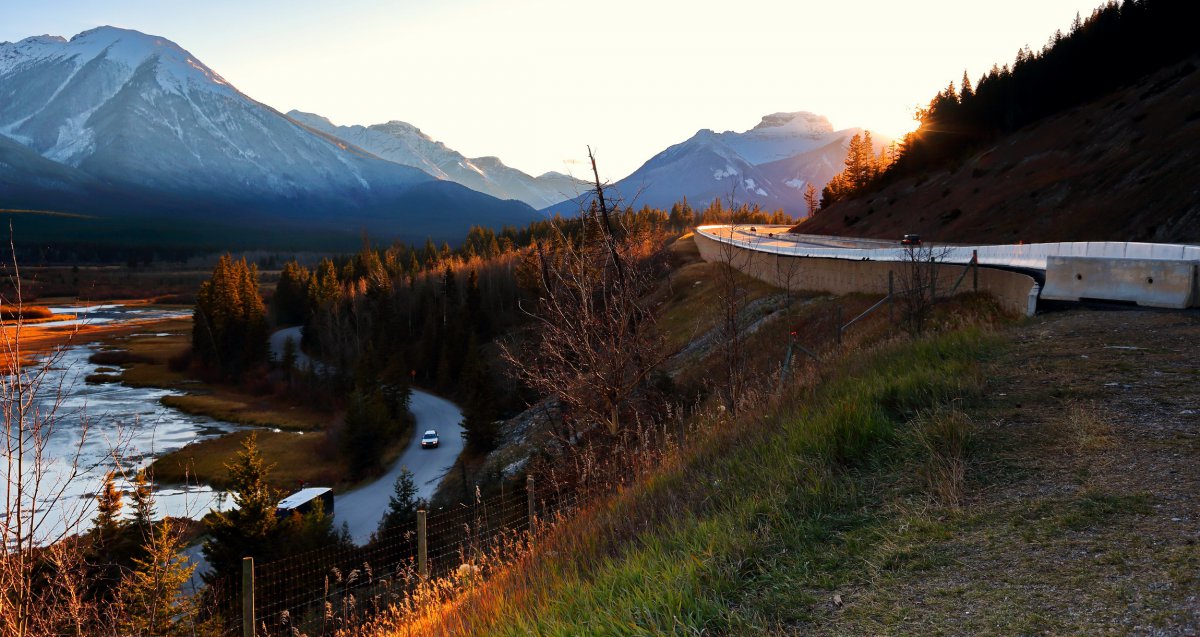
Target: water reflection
[[97, 428]]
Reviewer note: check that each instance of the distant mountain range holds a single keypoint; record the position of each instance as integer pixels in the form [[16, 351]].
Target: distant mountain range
[[769, 165], [405, 144], [124, 126], [123, 123]]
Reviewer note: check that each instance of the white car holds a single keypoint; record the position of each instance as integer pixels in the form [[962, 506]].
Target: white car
[[429, 440]]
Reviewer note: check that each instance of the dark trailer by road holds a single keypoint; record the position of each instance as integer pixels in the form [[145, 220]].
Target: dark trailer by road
[[302, 501]]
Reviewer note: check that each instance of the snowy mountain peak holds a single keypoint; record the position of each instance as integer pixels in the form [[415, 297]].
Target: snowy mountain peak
[[398, 128], [125, 48], [310, 119], [801, 122]]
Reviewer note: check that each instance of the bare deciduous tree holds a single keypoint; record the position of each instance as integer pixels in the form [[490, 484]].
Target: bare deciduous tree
[[593, 344], [37, 511], [917, 284]]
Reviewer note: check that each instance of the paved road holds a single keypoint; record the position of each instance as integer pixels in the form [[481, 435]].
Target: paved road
[[362, 508]]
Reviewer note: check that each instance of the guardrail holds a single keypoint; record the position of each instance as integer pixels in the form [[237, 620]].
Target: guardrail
[[1030, 256]]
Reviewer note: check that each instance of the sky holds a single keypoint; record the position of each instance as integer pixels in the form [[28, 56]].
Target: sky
[[535, 82]]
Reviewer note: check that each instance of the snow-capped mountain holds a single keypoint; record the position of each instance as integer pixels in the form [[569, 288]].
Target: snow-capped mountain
[[769, 165], [137, 112], [405, 144]]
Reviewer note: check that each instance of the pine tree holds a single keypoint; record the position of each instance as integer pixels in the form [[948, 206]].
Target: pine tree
[[106, 528], [152, 595], [230, 327], [246, 530], [479, 406], [143, 504], [402, 505], [290, 301]]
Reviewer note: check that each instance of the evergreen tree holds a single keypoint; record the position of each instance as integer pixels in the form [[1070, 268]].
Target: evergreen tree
[[152, 595], [402, 505], [106, 528], [246, 530], [366, 433], [143, 504], [290, 301], [479, 408], [230, 327]]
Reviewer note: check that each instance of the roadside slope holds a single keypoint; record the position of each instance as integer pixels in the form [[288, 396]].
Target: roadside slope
[[1034, 479]]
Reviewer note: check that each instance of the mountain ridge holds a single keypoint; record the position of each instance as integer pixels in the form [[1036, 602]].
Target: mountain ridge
[[768, 165], [163, 134], [404, 143]]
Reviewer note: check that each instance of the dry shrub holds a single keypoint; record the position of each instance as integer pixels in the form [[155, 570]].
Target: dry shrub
[[27, 312]]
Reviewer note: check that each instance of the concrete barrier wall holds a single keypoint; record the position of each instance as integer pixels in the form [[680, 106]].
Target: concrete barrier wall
[[1015, 292], [1147, 282], [1032, 255]]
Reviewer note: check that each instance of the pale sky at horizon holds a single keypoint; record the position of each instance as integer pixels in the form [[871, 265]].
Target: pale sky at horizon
[[535, 81]]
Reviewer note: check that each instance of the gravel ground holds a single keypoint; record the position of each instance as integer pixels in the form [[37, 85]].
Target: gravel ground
[[1083, 497]]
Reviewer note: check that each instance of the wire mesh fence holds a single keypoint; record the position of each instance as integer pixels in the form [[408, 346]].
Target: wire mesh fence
[[321, 591]]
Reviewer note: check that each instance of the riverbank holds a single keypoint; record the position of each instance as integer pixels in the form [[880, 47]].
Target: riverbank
[[292, 437], [40, 334]]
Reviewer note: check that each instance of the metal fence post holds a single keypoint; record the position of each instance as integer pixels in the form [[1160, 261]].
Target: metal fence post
[[838, 317], [247, 597], [422, 545], [532, 499]]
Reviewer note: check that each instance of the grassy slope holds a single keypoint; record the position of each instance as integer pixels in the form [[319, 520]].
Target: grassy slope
[[970, 483]]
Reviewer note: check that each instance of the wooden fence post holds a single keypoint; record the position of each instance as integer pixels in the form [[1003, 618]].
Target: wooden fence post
[[247, 597], [891, 298], [422, 545], [975, 269]]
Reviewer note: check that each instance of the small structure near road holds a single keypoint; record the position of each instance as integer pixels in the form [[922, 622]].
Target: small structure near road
[[304, 500]]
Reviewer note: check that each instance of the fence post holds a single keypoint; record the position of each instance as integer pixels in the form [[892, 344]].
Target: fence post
[[529, 494], [422, 545], [975, 269], [247, 597], [838, 317], [891, 298]]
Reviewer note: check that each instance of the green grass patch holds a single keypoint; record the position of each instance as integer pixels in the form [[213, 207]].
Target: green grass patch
[[764, 532]]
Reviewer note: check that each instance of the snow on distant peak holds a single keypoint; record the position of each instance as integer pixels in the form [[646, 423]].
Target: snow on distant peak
[[177, 70], [792, 123]]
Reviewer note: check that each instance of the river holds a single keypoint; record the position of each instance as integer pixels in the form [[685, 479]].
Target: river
[[97, 428]]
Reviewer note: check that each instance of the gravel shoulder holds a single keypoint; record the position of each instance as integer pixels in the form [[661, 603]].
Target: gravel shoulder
[[1082, 510]]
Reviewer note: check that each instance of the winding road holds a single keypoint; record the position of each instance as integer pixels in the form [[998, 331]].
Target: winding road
[[362, 508]]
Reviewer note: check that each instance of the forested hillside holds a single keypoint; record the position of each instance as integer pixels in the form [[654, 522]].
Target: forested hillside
[[1093, 137]]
